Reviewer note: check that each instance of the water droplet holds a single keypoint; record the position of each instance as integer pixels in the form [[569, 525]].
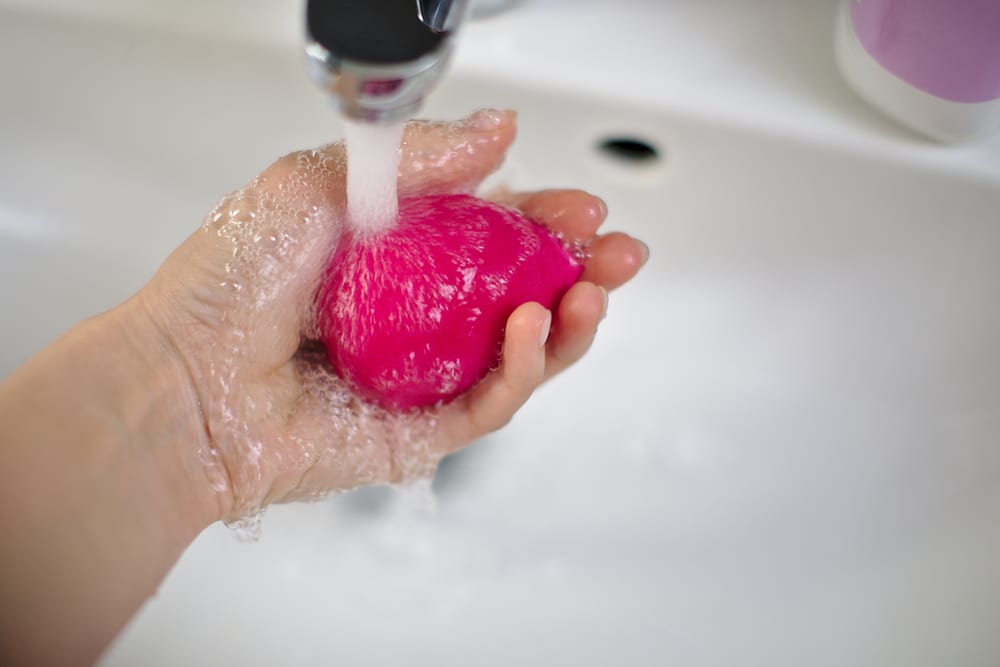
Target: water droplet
[[579, 250], [248, 528], [243, 209], [268, 238]]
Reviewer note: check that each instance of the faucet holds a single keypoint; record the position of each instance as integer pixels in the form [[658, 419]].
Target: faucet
[[378, 59]]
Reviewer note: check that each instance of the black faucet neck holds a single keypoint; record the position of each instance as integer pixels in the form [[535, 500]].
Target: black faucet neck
[[375, 31]]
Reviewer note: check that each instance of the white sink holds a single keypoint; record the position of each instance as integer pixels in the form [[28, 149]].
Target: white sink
[[784, 448]]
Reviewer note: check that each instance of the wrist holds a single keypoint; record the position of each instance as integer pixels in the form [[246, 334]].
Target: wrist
[[161, 415], [104, 485]]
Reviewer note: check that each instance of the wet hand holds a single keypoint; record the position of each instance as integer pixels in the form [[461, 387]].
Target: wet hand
[[234, 304]]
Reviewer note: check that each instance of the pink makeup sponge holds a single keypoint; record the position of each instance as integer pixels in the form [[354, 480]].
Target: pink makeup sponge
[[416, 314]]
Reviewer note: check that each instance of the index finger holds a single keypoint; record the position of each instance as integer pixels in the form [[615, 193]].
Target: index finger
[[573, 214]]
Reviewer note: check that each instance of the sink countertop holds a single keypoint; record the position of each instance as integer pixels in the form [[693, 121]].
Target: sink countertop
[[769, 64]]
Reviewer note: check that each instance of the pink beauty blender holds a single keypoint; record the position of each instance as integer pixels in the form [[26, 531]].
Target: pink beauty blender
[[415, 314]]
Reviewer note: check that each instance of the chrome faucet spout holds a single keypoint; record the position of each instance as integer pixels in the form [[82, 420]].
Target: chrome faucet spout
[[378, 59]]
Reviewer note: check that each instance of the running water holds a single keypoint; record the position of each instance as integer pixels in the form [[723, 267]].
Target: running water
[[372, 167]]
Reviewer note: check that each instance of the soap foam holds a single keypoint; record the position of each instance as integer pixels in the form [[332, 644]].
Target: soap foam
[[282, 425], [285, 429]]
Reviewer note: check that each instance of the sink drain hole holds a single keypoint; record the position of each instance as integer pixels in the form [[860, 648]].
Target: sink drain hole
[[629, 150]]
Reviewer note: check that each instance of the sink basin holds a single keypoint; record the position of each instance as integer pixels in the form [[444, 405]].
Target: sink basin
[[784, 448]]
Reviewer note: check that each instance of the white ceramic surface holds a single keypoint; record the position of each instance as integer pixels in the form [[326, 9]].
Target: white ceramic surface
[[783, 448]]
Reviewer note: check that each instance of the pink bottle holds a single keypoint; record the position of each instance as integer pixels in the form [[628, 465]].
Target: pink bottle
[[933, 65]]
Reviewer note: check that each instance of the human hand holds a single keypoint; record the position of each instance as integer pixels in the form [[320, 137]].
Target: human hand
[[234, 306]]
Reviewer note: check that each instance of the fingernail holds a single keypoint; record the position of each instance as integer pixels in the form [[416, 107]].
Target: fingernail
[[486, 120], [604, 310], [645, 252], [603, 207], [543, 329]]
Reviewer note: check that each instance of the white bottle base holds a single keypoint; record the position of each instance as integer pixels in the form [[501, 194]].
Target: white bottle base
[[944, 120]]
